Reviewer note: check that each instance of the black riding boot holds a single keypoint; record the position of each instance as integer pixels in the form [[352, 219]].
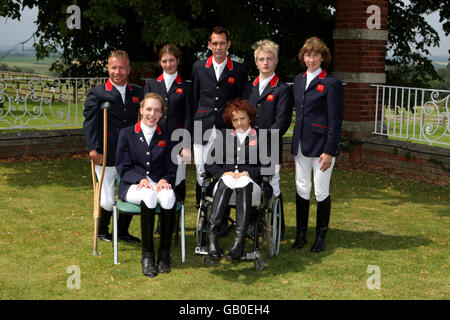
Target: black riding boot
[[219, 206], [103, 225], [123, 225], [302, 215], [243, 210], [323, 219], [148, 251], [167, 219]]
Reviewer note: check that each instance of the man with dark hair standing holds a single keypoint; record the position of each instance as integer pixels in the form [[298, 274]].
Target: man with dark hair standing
[[124, 99], [215, 81]]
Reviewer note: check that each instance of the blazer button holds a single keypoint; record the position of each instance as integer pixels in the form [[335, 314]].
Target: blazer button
[[166, 99], [239, 149], [124, 120], [237, 158], [147, 172], [217, 98], [148, 163], [215, 109], [148, 153], [217, 88], [235, 167], [125, 109], [259, 104]]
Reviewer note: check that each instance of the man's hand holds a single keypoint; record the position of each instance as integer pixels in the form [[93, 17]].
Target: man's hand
[[96, 157], [325, 159]]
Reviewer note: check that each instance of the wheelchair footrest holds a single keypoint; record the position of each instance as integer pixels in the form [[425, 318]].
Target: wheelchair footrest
[[252, 255]]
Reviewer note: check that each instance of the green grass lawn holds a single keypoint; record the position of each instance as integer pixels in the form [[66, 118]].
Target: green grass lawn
[[397, 225]]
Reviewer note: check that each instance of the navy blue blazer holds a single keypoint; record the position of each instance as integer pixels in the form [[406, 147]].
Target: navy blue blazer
[[136, 159], [318, 115], [120, 115], [237, 156], [273, 107], [211, 96], [179, 112]]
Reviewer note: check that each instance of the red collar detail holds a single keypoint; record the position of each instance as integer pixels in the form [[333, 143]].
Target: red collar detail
[[177, 79], [322, 74], [274, 81], [109, 85], [304, 74], [137, 127], [252, 132], [229, 63]]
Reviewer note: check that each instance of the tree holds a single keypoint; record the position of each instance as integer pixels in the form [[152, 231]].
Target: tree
[[408, 60], [142, 27]]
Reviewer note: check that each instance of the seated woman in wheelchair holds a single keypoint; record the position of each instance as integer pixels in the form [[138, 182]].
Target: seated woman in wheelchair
[[146, 178], [237, 168]]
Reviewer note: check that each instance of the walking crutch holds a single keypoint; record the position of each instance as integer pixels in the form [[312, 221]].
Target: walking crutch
[[98, 184]]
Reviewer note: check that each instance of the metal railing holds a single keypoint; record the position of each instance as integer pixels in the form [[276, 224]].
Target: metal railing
[[415, 114], [43, 103]]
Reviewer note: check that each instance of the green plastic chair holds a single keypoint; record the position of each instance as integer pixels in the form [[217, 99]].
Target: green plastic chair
[[134, 209]]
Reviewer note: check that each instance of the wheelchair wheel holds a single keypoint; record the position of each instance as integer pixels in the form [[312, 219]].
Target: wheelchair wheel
[[202, 221], [274, 228]]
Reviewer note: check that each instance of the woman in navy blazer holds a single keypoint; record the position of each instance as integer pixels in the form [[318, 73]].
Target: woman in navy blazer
[[237, 167], [318, 99], [177, 95], [147, 174]]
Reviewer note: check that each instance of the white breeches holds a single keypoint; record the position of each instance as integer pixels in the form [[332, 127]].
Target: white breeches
[[181, 171], [241, 182], [108, 187], [303, 168], [201, 155], [165, 198]]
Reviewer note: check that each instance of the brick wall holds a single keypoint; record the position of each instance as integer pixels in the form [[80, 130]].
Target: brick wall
[[49, 144]]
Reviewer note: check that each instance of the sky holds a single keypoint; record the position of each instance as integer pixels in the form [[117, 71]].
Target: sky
[[23, 29]]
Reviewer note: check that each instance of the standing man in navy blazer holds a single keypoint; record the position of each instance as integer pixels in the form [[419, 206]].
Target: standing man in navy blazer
[[273, 102], [318, 118], [124, 99], [215, 81]]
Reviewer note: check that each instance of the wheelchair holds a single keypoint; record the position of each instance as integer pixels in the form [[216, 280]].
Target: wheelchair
[[267, 225]]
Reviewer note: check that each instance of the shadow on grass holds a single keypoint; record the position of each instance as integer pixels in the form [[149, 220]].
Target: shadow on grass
[[289, 260]]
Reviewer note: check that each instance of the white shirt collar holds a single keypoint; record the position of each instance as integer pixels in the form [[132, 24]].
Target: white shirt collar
[[218, 67], [148, 131], [311, 75], [243, 135], [121, 89], [169, 79], [263, 83]]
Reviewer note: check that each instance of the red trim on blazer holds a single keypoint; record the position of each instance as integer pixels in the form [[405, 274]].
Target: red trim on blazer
[[322, 74], [179, 90], [177, 79], [273, 82], [138, 128], [135, 99], [318, 125], [270, 97], [109, 85], [209, 62], [161, 143], [304, 74], [129, 87], [320, 87]]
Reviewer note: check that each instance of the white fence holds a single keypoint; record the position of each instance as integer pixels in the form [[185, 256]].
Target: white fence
[[415, 114], [43, 103]]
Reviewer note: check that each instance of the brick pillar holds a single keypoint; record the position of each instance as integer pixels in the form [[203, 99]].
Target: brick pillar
[[359, 60]]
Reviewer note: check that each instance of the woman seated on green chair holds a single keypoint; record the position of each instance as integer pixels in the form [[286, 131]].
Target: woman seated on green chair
[[147, 174]]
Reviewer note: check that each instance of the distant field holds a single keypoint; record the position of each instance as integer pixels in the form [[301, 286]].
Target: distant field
[[28, 64]]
